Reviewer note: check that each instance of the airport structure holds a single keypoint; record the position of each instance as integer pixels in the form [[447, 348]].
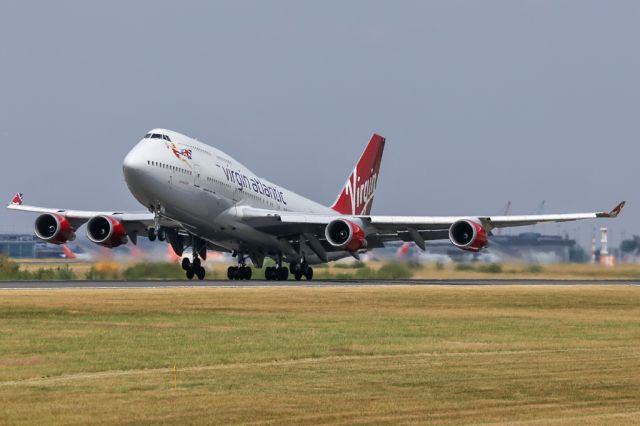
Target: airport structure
[[27, 246], [528, 247]]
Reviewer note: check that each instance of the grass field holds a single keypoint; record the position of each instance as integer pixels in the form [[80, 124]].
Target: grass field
[[388, 355], [63, 270]]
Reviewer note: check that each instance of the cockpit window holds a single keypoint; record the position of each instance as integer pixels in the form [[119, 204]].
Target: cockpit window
[[157, 136]]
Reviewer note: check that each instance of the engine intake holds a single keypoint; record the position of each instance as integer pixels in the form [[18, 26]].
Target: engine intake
[[468, 235], [343, 234], [54, 228], [106, 231]]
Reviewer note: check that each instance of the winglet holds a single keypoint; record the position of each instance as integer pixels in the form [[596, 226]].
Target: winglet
[[17, 199], [613, 213]]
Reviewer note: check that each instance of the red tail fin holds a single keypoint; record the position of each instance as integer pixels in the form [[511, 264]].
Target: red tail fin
[[17, 199], [68, 253], [357, 196]]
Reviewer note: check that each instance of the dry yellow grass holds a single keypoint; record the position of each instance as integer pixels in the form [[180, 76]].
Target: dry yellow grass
[[390, 355], [562, 271]]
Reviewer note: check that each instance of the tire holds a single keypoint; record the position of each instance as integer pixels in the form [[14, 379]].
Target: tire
[[186, 264], [298, 275], [200, 272], [240, 273], [190, 274], [151, 233], [161, 235], [196, 263], [283, 274], [247, 273], [231, 273], [269, 274], [309, 273]]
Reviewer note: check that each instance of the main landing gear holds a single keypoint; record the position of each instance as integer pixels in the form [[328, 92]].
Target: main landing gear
[[273, 273], [280, 273], [193, 268], [302, 270], [240, 272], [158, 233]]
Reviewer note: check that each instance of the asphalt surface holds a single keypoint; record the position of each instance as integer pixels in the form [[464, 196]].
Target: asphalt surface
[[24, 285]]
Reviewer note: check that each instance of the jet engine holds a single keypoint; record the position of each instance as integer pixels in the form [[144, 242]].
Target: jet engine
[[468, 234], [106, 231], [344, 234], [54, 228]]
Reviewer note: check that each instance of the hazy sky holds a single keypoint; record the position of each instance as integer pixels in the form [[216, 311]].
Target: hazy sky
[[481, 102]]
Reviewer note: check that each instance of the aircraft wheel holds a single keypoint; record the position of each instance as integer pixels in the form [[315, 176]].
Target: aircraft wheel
[[269, 273], [298, 275], [196, 263], [241, 273], [186, 264], [151, 233], [190, 274], [247, 272], [200, 272], [161, 235], [309, 273], [283, 273], [231, 273]]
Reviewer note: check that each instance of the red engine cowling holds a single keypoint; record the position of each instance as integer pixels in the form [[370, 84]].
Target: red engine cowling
[[468, 235], [106, 231], [54, 228], [343, 234]]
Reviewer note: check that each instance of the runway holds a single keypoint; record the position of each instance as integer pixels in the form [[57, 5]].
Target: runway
[[48, 285]]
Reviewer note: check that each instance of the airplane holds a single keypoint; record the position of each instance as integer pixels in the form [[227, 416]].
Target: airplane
[[200, 197], [80, 257]]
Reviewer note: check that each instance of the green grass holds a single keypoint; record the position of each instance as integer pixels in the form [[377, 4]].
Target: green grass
[[321, 355]]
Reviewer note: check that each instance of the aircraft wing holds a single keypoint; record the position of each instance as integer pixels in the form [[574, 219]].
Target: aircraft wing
[[134, 222], [396, 228]]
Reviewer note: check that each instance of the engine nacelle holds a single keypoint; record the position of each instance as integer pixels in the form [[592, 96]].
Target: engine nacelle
[[344, 234], [54, 228], [468, 235], [106, 231]]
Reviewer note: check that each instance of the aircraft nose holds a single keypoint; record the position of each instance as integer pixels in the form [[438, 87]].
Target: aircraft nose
[[132, 165]]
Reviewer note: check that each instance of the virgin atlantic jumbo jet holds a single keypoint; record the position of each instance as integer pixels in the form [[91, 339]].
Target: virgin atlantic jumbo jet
[[202, 198]]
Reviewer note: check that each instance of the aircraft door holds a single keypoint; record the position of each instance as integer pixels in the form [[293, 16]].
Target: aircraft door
[[196, 176]]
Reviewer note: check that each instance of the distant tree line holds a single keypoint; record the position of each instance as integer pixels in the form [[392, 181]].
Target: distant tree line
[[631, 245]]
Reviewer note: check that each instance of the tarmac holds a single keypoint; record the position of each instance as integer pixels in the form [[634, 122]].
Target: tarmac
[[48, 285]]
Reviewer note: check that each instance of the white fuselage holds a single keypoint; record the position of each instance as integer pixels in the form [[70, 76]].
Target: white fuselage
[[200, 187]]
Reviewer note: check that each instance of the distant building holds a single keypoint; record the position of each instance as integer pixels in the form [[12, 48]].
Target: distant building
[[535, 247], [526, 247], [27, 246]]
